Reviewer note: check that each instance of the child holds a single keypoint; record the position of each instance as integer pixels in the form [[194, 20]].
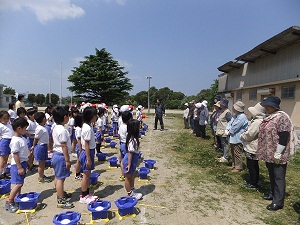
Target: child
[[72, 131], [12, 111], [100, 128], [49, 124], [30, 136], [40, 146], [126, 116], [114, 120], [139, 113], [131, 158], [87, 156], [21, 112], [61, 159], [6, 133], [19, 152], [78, 126]]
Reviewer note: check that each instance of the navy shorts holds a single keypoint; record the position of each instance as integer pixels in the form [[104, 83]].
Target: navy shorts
[[82, 160], [4, 146], [77, 149], [115, 126], [48, 128], [73, 137], [59, 166], [15, 177], [29, 142], [98, 136], [40, 152], [134, 162], [123, 149]]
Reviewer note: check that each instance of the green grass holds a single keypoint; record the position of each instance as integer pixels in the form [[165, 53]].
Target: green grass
[[201, 156]]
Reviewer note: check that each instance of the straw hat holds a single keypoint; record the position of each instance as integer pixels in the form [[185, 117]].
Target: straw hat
[[239, 106]]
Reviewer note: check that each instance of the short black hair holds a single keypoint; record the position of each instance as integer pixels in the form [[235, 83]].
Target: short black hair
[[39, 117], [21, 110], [133, 129], [30, 112], [78, 120], [59, 114], [19, 122], [20, 97], [11, 105], [88, 114], [126, 116], [3, 112], [101, 110]]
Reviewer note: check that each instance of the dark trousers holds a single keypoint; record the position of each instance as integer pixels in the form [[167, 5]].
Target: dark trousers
[[253, 169], [202, 131], [197, 128], [186, 123], [277, 174], [192, 122], [158, 117]]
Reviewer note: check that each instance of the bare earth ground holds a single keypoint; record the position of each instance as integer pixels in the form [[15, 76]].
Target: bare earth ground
[[169, 197]]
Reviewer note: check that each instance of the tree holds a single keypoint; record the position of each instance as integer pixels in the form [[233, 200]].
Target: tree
[[54, 99], [100, 78], [141, 98], [31, 98], [39, 99], [9, 91]]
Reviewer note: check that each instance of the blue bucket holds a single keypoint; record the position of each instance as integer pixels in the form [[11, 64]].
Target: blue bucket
[[145, 127], [4, 186], [94, 178], [143, 132], [126, 205], [113, 144], [113, 161], [149, 163], [107, 140], [101, 156], [69, 217], [28, 200], [99, 209], [110, 133], [143, 172]]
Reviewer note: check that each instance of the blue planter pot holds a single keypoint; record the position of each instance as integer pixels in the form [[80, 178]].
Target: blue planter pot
[[94, 178], [27, 200], [69, 217], [126, 205], [143, 173], [149, 163], [99, 209], [5, 186], [113, 161]]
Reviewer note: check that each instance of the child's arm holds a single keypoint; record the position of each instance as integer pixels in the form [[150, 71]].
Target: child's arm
[[35, 141], [130, 154], [66, 154], [88, 155], [21, 171]]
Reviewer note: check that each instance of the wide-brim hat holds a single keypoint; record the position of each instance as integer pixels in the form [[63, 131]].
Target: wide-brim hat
[[256, 110], [224, 102], [198, 105], [239, 106], [217, 104], [204, 103], [272, 101], [186, 104]]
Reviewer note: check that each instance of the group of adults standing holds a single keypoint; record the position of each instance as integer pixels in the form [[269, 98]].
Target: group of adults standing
[[268, 136]]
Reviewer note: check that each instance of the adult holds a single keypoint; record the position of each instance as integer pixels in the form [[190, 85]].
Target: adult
[[223, 119], [274, 148], [203, 118], [191, 114], [250, 140], [186, 116], [237, 125], [20, 102], [213, 124], [197, 111], [159, 112]]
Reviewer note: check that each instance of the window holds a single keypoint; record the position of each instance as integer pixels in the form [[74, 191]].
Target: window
[[253, 94], [7, 99], [287, 92], [239, 96]]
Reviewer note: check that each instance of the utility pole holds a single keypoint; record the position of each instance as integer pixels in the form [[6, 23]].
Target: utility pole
[[149, 78], [49, 88]]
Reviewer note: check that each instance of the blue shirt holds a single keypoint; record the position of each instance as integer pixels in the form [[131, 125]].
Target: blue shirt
[[237, 125]]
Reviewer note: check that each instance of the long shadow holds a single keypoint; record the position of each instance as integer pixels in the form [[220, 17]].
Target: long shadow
[[146, 189], [108, 190], [296, 207], [46, 194]]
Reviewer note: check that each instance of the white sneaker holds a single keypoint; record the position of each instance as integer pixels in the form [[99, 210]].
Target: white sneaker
[[74, 155], [88, 199], [222, 159], [138, 196]]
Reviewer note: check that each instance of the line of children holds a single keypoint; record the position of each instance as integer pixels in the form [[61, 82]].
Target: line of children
[[12, 111], [72, 130], [100, 129], [78, 127], [30, 136]]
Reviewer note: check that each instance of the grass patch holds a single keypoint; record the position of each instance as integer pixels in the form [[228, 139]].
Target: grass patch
[[201, 157]]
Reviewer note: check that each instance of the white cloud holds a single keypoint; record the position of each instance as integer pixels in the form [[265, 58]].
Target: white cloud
[[119, 2], [45, 10]]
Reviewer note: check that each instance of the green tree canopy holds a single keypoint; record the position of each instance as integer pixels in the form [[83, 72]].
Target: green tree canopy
[[39, 99], [9, 91], [100, 78], [54, 99], [31, 98]]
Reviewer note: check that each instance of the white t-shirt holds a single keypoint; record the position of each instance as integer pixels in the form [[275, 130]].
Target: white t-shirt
[[6, 131], [41, 134], [18, 144], [12, 113], [138, 115], [123, 132], [49, 122], [78, 132], [31, 127], [87, 134], [120, 121], [99, 123], [60, 135], [132, 146], [71, 122], [105, 118]]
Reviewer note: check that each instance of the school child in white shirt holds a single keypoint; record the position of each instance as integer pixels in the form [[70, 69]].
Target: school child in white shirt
[[61, 158], [71, 126], [40, 146], [12, 111], [87, 156], [131, 158], [78, 148], [126, 117], [139, 115], [19, 157], [49, 124], [30, 136], [114, 120], [6, 133], [100, 127]]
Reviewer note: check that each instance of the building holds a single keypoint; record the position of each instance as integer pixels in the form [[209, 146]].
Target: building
[[271, 68], [5, 99]]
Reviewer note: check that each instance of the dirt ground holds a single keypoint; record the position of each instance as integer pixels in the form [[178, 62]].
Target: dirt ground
[[169, 197]]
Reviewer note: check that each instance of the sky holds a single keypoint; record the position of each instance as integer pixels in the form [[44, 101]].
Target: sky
[[179, 43]]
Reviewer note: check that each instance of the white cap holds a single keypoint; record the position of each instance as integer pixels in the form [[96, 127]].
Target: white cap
[[186, 104], [204, 103], [198, 105], [124, 108], [140, 107]]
